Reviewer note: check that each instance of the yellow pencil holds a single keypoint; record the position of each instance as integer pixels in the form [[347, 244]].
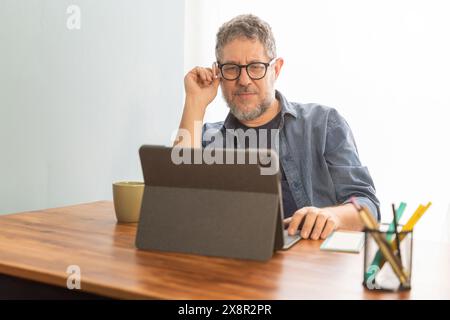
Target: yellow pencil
[[415, 217]]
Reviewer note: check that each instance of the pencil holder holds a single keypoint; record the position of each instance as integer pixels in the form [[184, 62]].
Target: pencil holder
[[385, 267]]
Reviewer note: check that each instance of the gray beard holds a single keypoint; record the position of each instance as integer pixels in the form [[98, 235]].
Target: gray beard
[[248, 116]]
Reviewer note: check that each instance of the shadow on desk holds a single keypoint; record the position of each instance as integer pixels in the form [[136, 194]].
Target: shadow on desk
[[12, 288]]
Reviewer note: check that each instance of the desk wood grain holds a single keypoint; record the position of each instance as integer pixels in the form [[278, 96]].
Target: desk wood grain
[[40, 245]]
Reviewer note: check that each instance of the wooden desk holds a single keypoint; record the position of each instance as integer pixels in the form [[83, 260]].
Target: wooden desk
[[40, 245]]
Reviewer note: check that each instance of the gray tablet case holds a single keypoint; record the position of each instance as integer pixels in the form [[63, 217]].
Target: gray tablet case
[[225, 210]]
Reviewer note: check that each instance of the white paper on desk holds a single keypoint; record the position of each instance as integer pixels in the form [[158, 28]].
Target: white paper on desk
[[344, 241], [386, 278]]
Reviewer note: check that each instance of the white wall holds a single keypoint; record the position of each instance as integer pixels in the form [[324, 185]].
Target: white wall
[[75, 105], [383, 64]]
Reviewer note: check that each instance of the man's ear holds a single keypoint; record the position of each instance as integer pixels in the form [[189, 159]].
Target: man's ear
[[216, 71], [278, 65]]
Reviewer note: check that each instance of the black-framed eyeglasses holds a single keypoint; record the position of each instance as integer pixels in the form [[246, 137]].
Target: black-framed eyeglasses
[[255, 70]]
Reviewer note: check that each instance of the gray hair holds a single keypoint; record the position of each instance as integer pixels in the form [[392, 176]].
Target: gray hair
[[250, 27]]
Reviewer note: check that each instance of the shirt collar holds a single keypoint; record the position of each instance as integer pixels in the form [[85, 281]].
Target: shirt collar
[[286, 106]]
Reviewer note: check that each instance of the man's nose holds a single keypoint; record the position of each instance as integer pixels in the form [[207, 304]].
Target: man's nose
[[244, 79]]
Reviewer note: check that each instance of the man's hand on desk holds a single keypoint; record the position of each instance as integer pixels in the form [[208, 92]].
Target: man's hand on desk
[[319, 223], [315, 223]]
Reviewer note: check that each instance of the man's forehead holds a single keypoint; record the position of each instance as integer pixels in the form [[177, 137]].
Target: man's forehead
[[243, 51]]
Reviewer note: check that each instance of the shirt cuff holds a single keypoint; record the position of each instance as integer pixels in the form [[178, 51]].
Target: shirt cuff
[[365, 202]]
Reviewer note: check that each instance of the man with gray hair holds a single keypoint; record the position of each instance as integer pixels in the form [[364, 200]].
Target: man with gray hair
[[319, 161]]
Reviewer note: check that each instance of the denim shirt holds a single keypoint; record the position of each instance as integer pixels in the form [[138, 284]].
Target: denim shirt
[[319, 156]]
